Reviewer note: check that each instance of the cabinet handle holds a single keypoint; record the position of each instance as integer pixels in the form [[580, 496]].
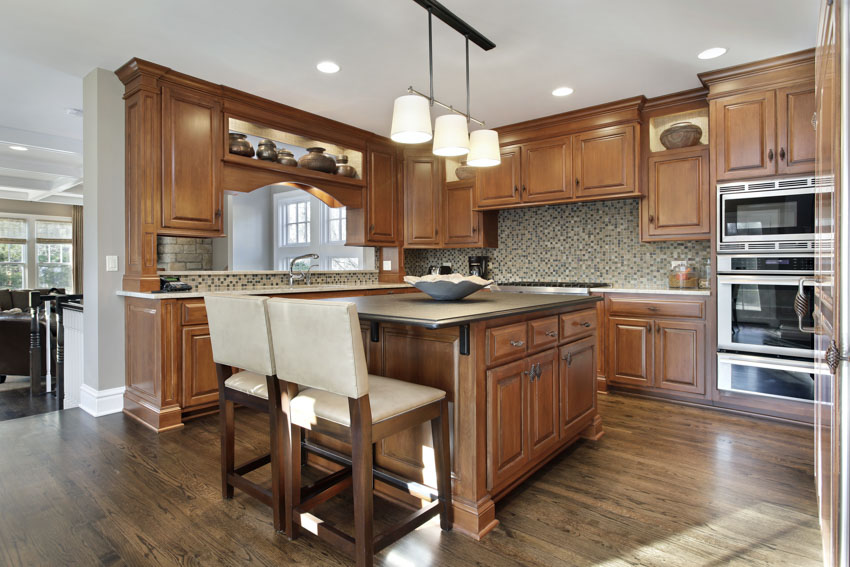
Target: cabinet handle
[[651, 219], [217, 213], [658, 329], [371, 228], [814, 120], [586, 324], [577, 182], [474, 229], [770, 155], [649, 327], [782, 154], [569, 358], [551, 333], [515, 190], [517, 343], [652, 308], [524, 190]]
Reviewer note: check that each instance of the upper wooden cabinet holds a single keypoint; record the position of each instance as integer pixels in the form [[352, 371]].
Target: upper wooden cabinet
[[191, 164], [377, 222], [597, 164], [605, 162], [764, 133], [678, 196]]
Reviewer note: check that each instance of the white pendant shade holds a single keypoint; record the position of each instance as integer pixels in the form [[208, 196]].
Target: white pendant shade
[[411, 120], [484, 149], [451, 136]]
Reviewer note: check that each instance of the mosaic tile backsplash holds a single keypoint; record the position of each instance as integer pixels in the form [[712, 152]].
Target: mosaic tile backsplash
[[597, 241], [234, 281]]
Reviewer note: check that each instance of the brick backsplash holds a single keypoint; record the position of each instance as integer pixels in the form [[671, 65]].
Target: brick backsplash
[[596, 241], [183, 253]]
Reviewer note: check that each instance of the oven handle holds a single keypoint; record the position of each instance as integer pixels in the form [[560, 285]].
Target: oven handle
[[801, 305]]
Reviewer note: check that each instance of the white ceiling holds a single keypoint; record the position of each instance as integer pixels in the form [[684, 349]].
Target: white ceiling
[[605, 50]]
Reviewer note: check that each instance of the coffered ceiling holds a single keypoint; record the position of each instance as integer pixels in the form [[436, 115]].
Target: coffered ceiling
[[605, 50]]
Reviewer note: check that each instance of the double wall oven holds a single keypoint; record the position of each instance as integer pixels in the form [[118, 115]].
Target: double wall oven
[[765, 259]]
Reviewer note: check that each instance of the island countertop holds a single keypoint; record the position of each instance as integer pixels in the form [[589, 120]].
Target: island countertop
[[420, 310]]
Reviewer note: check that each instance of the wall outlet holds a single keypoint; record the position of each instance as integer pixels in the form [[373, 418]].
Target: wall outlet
[[388, 265], [112, 263]]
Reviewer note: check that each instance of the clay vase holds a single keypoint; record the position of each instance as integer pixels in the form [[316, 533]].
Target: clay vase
[[267, 150], [681, 135], [465, 172], [343, 169], [240, 145], [285, 157], [316, 160]]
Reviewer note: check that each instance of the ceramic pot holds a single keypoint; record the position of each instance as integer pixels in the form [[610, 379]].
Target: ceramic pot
[[267, 150], [681, 135], [240, 145], [343, 169], [465, 172], [316, 160], [285, 157]]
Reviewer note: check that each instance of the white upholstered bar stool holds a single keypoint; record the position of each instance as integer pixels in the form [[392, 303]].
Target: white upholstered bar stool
[[318, 345], [240, 338]]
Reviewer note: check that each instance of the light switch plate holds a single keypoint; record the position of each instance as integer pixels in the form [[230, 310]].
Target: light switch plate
[[388, 265], [112, 263]]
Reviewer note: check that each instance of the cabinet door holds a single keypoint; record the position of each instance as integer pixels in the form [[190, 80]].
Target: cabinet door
[[499, 185], [745, 134], [543, 419], [578, 380], [507, 425], [423, 183], [605, 162], [630, 351], [192, 141], [461, 225], [680, 356], [382, 195], [200, 383], [678, 196], [601, 336], [547, 170], [795, 108]]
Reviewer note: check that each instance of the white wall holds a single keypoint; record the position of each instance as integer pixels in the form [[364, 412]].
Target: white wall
[[250, 222], [103, 234]]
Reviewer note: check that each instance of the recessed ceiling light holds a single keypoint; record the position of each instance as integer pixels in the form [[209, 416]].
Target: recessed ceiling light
[[327, 67], [712, 53], [18, 148], [562, 91], [74, 112]]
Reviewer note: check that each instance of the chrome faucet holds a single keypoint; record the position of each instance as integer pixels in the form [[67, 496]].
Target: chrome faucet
[[305, 274]]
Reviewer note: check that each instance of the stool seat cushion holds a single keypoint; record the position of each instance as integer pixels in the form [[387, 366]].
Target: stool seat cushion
[[249, 383], [387, 398]]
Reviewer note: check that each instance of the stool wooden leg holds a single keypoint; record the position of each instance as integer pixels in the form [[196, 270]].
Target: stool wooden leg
[[276, 450], [292, 461], [443, 463], [227, 447], [361, 459]]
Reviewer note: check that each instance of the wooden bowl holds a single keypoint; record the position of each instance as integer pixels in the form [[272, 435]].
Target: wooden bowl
[[681, 135]]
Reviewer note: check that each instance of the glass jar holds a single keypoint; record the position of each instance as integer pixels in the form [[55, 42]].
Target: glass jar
[[683, 275], [705, 274]]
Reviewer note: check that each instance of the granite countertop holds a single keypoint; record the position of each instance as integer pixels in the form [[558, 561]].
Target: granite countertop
[[420, 310], [649, 290], [263, 291]]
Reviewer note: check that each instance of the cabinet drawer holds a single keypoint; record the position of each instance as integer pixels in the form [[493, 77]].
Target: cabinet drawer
[[506, 343], [578, 324], [656, 307], [542, 332], [194, 313]]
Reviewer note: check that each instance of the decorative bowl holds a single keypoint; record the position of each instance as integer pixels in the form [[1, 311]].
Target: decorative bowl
[[448, 288], [317, 160], [240, 145], [681, 135], [464, 171], [267, 150], [343, 169]]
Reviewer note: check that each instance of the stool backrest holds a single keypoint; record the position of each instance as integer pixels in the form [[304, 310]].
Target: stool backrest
[[318, 344], [239, 332]]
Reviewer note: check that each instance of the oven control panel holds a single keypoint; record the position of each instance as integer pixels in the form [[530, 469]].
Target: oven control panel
[[766, 264]]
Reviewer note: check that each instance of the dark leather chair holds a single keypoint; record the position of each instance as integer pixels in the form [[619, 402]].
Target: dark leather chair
[[15, 334]]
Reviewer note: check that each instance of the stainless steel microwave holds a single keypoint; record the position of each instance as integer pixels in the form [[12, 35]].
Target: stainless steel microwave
[[776, 215]]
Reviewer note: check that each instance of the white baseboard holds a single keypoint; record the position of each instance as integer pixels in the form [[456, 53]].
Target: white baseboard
[[101, 402]]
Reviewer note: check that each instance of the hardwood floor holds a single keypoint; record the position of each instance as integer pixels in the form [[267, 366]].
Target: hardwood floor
[[667, 485], [15, 399]]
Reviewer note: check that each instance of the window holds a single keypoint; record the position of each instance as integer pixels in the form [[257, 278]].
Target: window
[[13, 253], [35, 252], [335, 226], [297, 223], [345, 263]]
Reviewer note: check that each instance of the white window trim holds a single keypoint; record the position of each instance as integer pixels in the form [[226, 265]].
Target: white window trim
[[31, 272]]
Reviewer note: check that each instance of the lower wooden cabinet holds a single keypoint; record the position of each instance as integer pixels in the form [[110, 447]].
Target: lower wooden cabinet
[[507, 421], [630, 349], [680, 356], [200, 383], [577, 381], [543, 402]]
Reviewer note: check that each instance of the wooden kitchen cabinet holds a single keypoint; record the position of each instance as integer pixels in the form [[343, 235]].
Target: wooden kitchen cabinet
[[463, 226], [200, 383], [191, 166], [605, 162], [547, 171], [543, 414], [678, 196], [500, 185], [507, 422], [680, 356], [577, 367], [630, 348], [377, 222], [764, 133], [423, 182]]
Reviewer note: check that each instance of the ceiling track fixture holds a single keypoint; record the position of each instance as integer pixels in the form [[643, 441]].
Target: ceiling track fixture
[[412, 114]]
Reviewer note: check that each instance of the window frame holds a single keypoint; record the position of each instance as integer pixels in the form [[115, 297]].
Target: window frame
[[31, 263]]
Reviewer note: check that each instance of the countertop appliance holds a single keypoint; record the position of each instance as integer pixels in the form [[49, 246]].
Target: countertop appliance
[[766, 216], [582, 288], [478, 266]]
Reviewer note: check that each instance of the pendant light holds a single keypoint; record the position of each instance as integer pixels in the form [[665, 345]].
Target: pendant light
[[411, 120], [451, 136], [484, 149]]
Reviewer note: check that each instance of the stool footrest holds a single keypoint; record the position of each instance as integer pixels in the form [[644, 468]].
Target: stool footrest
[[324, 490], [253, 464], [407, 525], [327, 532], [262, 494]]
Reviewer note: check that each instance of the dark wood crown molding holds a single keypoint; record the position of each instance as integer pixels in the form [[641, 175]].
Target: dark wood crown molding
[[692, 97], [783, 69]]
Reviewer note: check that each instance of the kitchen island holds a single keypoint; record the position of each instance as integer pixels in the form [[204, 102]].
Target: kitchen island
[[520, 374]]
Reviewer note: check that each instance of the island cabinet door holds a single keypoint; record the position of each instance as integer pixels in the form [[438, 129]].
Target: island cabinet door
[[507, 422], [630, 351], [200, 384], [543, 429], [680, 356], [577, 382]]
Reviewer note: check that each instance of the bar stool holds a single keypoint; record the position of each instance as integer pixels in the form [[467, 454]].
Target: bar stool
[[239, 335], [318, 345]]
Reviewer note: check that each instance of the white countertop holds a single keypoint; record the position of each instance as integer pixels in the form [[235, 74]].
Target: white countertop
[[648, 290], [264, 291]]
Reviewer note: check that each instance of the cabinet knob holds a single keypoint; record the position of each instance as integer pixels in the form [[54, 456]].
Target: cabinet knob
[[517, 343], [515, 190], [770, 155], [586, 324], [577, 182], [524, 190], [782, 154], [217, 213], [371, 228], [649, 327], [551, 333], [651, 219], [652, 308]]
